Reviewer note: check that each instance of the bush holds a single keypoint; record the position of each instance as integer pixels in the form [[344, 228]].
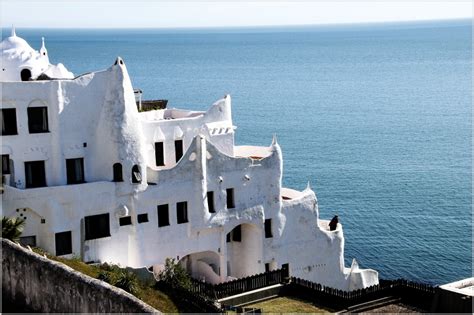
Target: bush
[[104, 276], [121, 278], [175, 275], [127, 281]]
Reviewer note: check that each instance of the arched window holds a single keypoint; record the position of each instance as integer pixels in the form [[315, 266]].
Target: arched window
[[136, 176], [118, 177], [25, 75]]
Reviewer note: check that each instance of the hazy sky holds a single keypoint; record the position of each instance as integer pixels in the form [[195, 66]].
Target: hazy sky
[[119, 13]]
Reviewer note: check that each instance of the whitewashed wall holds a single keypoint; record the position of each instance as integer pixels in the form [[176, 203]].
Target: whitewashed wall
[[99, 110]]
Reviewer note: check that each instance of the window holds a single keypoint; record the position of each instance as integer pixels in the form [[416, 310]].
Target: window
[[63, 243], [8, 119], [210, 201], [97, 226], [25, 74], [267, 267], [182, 212], [268, 228], [136, 176], [163, 215], [230, 198], [235, 235], [285, 270], [5, 164], [75, 171], [28, 240], [125, 221], [38, 119], [178, 149], [118, 177], [159, 154], [35, 175], [142, 218]]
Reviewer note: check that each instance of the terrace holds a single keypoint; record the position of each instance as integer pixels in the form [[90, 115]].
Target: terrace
[[253, 152], [169, 114], [290, 194]]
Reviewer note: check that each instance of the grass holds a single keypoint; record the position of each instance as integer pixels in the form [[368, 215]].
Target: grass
[[288, 305], [145, 292], [157, 299]]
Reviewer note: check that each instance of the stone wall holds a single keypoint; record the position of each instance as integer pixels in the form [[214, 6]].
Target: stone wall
[[47, 286]]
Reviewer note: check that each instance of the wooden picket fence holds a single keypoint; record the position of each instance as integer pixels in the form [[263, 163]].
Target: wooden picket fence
[[418, 294], [415, 293], [225, 289]]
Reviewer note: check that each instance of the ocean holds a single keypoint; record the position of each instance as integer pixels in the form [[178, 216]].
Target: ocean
[[376, 117]]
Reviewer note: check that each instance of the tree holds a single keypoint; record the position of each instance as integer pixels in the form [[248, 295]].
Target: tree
[[12, 228], [174, 274]]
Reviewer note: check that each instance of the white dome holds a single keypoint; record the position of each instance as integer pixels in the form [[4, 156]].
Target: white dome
[[21, 62], [16, 46]]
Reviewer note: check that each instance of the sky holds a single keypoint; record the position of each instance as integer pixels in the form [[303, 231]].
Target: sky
[[177, 14]]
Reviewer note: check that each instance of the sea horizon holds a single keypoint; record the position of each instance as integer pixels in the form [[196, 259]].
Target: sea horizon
[[257, 28]]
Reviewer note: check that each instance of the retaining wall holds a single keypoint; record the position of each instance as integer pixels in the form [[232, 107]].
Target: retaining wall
[[48, 286]]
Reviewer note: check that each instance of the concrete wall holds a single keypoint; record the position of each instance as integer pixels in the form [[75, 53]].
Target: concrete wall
[[48, 286]]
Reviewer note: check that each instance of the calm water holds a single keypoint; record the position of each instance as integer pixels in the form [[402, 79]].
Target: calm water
[[376, 117]]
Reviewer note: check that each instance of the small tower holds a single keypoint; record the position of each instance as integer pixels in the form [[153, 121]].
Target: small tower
[[13, 31], [43, 50]]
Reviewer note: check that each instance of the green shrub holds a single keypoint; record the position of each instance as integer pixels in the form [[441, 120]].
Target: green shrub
[[121, 278], [127, 281], [174, 274], [104, 276]]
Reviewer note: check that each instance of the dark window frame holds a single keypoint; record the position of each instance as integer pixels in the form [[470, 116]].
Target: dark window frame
[[237, 233], [9, 122], [267, 267], [210, 202], [182, 212], [95, 230], [63, 243], [117, 172], [230, 198], [6, 164], [142, 218], [136, 174], [38, 119], [37, 177], [268, 228], [71, 167], [159, 154], [178, 149], [124, 221], [163, 215]]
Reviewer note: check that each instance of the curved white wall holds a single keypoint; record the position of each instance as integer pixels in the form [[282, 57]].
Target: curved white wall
[[95, 117]]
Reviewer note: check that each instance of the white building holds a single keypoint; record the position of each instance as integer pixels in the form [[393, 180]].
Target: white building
[[96, 178]]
